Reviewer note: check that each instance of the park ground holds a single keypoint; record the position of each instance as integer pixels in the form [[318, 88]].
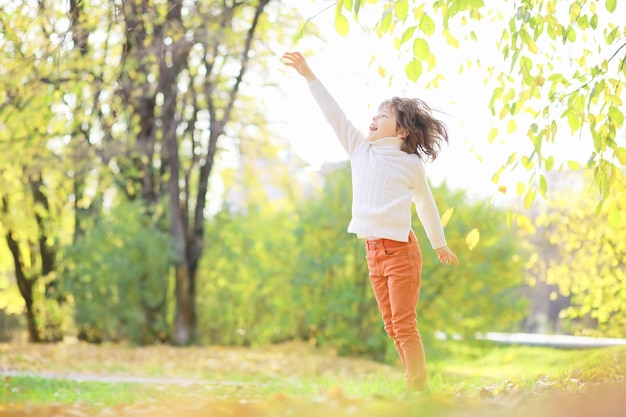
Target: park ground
[[296, 379]]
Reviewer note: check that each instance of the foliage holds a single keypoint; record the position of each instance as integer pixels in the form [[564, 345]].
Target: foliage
[[561, 61], [332, 278], [244, 294], [483, 292], [135, 98], [278, 275], [117, 277], [584, 252]]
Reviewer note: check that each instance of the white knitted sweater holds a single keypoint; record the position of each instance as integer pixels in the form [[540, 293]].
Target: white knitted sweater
[[385, 180]]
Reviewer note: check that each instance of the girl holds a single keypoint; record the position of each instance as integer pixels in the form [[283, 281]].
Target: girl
[[387, 175]]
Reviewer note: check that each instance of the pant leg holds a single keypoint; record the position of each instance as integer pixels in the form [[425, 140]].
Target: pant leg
[[403, 271], [381, 293], [395, 274]]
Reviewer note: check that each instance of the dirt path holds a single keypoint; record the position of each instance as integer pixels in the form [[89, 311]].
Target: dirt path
[[84, 377]]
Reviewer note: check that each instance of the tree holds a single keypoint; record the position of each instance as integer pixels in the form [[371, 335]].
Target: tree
[[560, 61], [32, 182], [180, 89], [133, 99], [588, 251]]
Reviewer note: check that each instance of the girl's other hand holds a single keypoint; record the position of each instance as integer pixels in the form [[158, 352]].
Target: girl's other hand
[[446, 256], [297, 61]]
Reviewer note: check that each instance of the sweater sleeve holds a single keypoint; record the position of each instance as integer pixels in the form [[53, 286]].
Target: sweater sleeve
[[427, 211], [348, 135]]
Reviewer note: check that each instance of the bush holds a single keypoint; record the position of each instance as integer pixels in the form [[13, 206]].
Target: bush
[[118, 278]]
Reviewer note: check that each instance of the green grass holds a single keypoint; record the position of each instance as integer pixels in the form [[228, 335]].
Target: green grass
[[37, 391], [465, 371]]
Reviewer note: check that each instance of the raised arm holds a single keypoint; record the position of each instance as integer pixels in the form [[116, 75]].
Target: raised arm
[[297, 61], [349, 136]]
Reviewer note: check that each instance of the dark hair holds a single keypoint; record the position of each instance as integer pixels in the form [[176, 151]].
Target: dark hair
[[425, 133]]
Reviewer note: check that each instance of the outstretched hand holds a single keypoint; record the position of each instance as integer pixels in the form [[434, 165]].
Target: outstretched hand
[[446, 256], [297, 61]]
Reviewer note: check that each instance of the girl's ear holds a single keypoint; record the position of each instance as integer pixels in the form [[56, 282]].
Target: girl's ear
[[402, 132]]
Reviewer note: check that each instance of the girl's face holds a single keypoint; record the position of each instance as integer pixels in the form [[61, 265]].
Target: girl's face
[[383, 124]]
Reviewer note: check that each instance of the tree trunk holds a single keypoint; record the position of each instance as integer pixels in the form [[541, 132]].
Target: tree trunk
[[24, 284]]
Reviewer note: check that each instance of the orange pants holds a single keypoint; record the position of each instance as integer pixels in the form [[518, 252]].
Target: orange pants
[[395, 270]]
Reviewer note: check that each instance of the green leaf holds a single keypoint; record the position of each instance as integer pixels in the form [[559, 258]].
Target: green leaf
[[616, 116], [573, 165], [401, 9], [408, 34], [420, 48], [549, 163], [621, 155], [427, 25], [571, 35], [385, 23], [543, 186], [413, 70], [573, 120], [610, 5], [341, 24]]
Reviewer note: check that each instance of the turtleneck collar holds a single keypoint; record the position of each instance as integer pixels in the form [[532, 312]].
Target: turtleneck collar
[[391, 142]]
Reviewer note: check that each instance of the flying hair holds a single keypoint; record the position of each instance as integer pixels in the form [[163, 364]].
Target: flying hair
[[424, 133]]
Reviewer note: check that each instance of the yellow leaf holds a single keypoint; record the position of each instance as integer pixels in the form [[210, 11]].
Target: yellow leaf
[[520, 188], [381, 71], [446, 216], [549, 163], [511, 126], [472, 238], [543, 186], [341, 24], [530, 198], [573, 165], [525, 223], [451, 39], [401, 9], [492, 134], [621, 155], [614, 217], [502, 189]]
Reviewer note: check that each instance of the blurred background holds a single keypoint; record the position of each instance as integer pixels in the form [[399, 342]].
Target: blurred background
[[165, 179]]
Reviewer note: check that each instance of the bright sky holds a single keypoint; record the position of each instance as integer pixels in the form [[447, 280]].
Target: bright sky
[[343, 66]]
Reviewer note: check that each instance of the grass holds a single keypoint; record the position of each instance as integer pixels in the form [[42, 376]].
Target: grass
[[37, 391], [467, 373]]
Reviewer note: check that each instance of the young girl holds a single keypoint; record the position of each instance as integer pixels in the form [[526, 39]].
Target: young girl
[[387, 175]]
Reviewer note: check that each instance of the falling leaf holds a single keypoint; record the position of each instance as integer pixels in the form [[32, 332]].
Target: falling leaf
[[472, 238], [446, 216]]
